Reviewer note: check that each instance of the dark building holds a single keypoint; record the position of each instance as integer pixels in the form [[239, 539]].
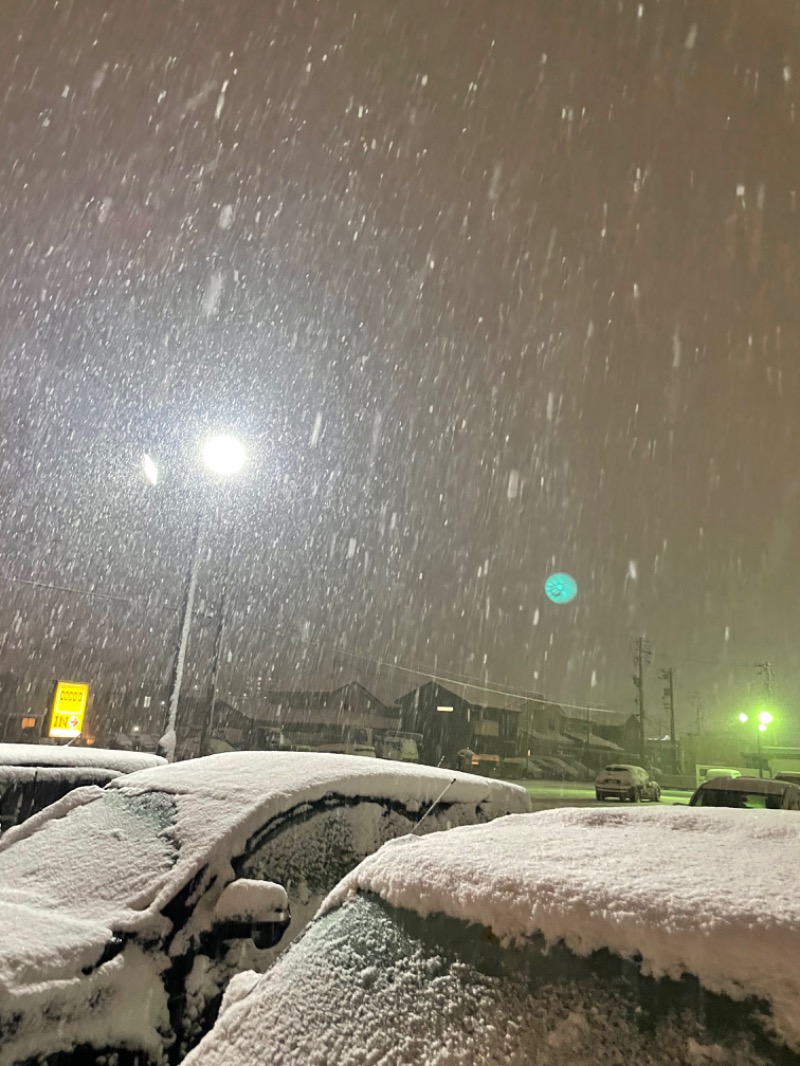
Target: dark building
[[457, 718], [494, 726], [341, 719]]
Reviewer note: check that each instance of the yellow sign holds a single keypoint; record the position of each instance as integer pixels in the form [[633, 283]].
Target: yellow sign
[[69, 708]]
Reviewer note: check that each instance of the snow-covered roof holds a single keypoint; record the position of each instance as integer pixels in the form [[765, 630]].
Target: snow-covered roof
[[712, 893], [103, 860], [62, 755], [764, 786], [592, 740]]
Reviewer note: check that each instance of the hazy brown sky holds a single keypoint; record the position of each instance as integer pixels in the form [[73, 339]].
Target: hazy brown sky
[[489, 289]]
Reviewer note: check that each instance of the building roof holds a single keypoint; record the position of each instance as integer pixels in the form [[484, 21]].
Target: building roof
[[481, 696], [264, 707]]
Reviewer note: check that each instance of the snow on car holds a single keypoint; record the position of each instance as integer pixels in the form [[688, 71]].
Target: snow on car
[[32, 776], [569, 936], [127, 909], [626, 782]]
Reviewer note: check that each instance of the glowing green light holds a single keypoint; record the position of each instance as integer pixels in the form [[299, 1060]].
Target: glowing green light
[[743, 717], [762, 728], [764, 719]]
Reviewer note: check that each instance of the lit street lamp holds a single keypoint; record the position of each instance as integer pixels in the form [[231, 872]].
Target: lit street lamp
[[224, 456], [763, 720]]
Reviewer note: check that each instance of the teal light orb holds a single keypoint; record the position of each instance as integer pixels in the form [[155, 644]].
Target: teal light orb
[[561, 588]]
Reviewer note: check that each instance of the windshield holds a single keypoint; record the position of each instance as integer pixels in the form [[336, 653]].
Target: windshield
[[718, 797], [403, 989]]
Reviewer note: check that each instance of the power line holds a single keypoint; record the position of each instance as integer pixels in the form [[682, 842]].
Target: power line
[[86, 592], [433, 675], [468, 680]]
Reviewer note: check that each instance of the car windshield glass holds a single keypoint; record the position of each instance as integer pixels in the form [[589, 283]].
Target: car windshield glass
[[109, 853], [398, 988]]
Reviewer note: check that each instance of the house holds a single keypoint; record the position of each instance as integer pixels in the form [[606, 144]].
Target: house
[[338, 719], [456, 717]]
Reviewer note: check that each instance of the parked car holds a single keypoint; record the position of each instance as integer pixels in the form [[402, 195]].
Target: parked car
[[32, 776], [585, 936], [626, 782], [748, 793], [792, 777], [125, 910]]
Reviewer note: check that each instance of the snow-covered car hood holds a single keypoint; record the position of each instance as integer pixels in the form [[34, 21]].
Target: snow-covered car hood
[[712, 893], [105, 862]]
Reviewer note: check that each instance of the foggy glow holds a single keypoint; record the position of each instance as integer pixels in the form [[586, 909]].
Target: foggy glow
[[223, 455]]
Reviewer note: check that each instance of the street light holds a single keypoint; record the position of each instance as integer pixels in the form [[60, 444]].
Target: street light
[[224, 456], [763, 720]]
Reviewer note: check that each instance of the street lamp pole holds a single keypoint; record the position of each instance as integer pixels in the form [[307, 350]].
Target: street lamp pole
[[207, 728], [224, 456], [167, 744], [763, 719]]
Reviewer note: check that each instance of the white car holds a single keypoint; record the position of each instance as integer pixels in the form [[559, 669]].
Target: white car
[[571, 936], [126, 909], [625, 782]]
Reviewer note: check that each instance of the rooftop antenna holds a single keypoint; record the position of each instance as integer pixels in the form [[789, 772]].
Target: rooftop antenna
[[438, 800]]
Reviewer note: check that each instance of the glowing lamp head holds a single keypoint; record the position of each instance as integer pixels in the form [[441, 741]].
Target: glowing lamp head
[[764, 719], [744, 718], [223, 455]]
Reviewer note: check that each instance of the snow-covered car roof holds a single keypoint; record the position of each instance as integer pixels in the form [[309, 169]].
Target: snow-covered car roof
[[56, 755], [714, 896], [763, 785], [107, 860]]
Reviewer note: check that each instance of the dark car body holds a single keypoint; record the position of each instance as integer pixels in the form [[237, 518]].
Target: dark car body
[[747, 793]]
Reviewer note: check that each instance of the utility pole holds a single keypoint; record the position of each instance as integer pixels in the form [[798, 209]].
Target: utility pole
[[767, 679], [641, 656], [669, 705], [698, 711]]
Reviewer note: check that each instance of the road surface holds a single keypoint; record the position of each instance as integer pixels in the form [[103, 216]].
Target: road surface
[[547, 794]]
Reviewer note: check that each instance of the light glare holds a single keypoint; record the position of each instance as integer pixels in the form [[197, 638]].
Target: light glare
[[150, 469], [223, 455], [765, 718], [743, 717]]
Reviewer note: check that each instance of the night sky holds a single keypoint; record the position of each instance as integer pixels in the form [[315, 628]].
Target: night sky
[[488, 289]]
